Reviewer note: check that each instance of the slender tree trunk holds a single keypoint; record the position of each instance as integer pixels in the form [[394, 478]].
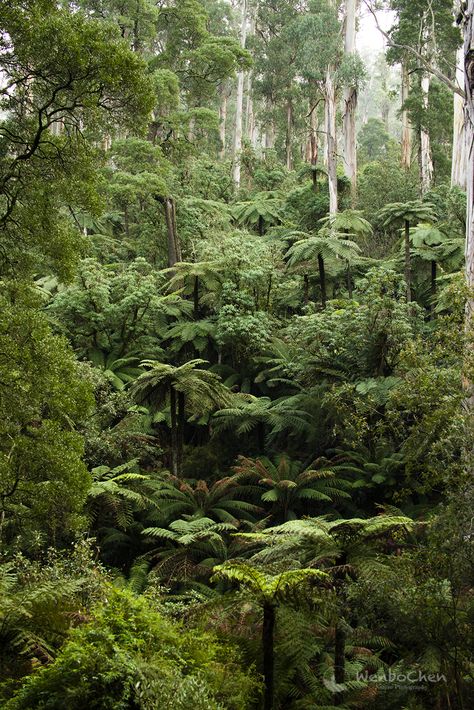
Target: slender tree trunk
[[322, 280], [350, 101], [331, 141], [174, 246], [196, 297], [407, 261], [458, 165], [268, 654], [433, 286], [249, 113], [269, 126], [306, 289], [349, 280], [313, 145], [180, 437], [261, 225], [239, 103], [223, 121], [339, 661], [406, 125], [426, 160], [174, 432], [289, 135], [469, 138]]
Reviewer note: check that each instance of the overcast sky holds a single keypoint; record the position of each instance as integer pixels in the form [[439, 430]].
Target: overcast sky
[[369, 39]]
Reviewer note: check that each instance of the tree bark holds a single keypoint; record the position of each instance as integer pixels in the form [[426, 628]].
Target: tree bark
[[458, 164], [239, 103], [339, 661], [350, 101], [331, 141], [270, 126], [433, 286], [174, 246], [196, 297], [250, 128], [468, 21], [174, 432], [268, 654], [289, 135], [407, 261], [406, 125], [305, 289], [426, 160], [223, 122], [313, 145], [180, 434], [322, 280]]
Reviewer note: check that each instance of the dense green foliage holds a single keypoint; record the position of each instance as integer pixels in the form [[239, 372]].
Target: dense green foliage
[[235, 451]]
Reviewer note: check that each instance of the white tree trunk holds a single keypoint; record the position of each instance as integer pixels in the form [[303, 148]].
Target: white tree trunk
[[350, 100], [468, 62], [469, 136], [270, 127], [223, 121], [249, 113], [426, 160], [331, 139], [458, 162], [406, 125], [289, 135], [239, 103]]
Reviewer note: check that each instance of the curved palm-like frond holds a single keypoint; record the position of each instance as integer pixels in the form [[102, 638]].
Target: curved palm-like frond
[[349, 221], [224, 501], [269, 588], [288, 486], [397, 213], [327, 247]]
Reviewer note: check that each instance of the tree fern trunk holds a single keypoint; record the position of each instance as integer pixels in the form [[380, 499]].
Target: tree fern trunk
[[174, 433], [196, 297], [261, 437], [268, 654], [322, 279], [180, 433], [306, 289], [339, 661], [433, 286], [407, 261], [349, 280]]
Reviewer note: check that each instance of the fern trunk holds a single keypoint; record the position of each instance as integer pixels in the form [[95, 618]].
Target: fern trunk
[[180, 432], [306, 289], [322, 279], [407, 260], [349, 280], [196, 297], [339, 661], [433, 285], [268, 654], [174, 432]]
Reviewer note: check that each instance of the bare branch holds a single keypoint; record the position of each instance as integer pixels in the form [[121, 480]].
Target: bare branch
[[425, 63]]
